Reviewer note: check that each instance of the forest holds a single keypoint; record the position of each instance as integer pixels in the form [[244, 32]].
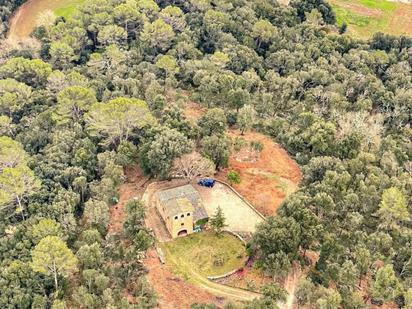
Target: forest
[[107, 90]]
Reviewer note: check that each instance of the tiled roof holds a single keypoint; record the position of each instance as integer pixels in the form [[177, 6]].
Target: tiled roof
[[170, 199]]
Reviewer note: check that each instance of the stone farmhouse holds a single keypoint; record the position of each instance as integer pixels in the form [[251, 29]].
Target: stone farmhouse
[[181, 209]]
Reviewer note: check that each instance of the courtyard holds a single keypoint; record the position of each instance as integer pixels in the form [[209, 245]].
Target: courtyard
[[240, 217]]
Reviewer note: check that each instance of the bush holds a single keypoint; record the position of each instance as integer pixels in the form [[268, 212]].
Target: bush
[[233, 177]]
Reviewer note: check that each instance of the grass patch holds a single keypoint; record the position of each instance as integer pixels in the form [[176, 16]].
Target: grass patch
[[205, 253], [365, 17], [31, 10], [67, 8]]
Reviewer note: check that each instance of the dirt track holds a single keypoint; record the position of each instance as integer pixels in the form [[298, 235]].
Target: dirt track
[[173, 292], [133, 187], [225, 291]]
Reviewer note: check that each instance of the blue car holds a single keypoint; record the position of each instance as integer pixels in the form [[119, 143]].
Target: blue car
[[207, 182]]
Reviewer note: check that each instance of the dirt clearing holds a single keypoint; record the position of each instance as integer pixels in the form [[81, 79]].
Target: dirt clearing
[[266, 179], [361, 9], [133, 187], [173, 291], [25, 19], [401, 21]]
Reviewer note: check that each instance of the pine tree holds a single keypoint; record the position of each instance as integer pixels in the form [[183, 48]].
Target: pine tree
[[218, 221], [52, 257]]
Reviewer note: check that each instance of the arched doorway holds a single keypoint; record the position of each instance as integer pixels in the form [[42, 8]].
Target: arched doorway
[[182, 233]]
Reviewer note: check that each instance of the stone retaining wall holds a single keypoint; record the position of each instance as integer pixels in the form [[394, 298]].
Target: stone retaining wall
[[242, 198]]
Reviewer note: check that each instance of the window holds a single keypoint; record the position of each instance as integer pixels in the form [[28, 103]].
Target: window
[[176, 217], [182, 224], [188, 214], [182, 216]]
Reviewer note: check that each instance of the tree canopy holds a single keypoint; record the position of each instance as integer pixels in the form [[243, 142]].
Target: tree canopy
[[163, 85]]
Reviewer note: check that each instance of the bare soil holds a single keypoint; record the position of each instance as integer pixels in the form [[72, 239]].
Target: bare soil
[[266, 179], [247, 278], [174, 292], [401, 21], [171, 290], [361, 9], [193, 111], [133, 187], [25, 19]]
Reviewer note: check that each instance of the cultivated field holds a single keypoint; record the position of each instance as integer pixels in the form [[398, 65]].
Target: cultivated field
[[26, 17], [365, 17]]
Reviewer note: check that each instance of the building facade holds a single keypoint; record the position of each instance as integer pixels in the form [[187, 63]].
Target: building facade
[[181, 209]]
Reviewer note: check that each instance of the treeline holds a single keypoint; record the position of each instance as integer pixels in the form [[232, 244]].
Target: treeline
[[110, 90], [7, 8]]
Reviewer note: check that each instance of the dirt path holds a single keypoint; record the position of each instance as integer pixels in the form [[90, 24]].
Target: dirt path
[[290, 286], [133, 187], [212, 287], [173, 291]]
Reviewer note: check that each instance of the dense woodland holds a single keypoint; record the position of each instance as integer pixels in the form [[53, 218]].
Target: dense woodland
[[109, 90]]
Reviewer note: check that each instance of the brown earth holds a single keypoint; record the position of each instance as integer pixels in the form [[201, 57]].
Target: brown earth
[[193, 111], [247, 278], [133, 187], [402, 19], [360, 9], [26, 17], [266, 179], [173, 291]]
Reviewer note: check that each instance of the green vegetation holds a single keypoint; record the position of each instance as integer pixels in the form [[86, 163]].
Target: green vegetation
[[217, 221], [109, 90], [66, 8], [366, 17], [233, 177], [205, 253]]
